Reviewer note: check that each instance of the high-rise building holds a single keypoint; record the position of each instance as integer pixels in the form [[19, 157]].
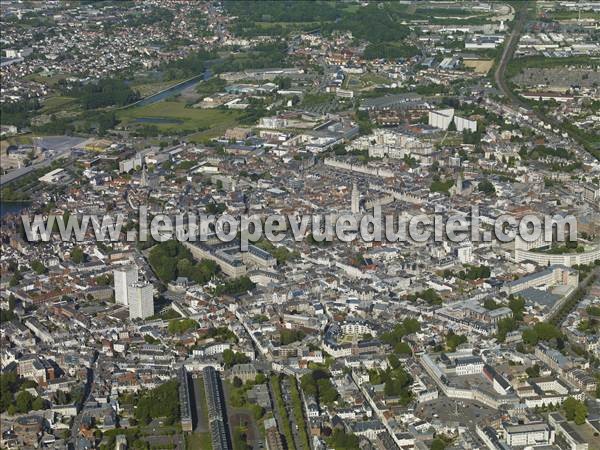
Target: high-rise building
[[355, 199], [144, 177], [141, 302], [465, 253], [123, 277]]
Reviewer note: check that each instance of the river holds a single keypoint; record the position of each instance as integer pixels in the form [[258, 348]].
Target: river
[[173, 90]]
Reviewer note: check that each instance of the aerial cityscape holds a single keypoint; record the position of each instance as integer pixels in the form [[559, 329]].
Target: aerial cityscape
[[300, 225]]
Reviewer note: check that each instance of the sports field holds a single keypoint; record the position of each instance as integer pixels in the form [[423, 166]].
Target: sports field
[[173, 116]]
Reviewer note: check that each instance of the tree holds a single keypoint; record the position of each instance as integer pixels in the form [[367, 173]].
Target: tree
[[38, 267], [260, 378], [438, 444], [487, 187], [546, 331], [23, 401], [308, 384], [38, 404], [162, 401], [569, 407], [403, 349], [257, 411], [228, 357], [6, 315], [474, 272], [533, 371], [237, 382], [454, 340], [429, 295], [231, 358], [171, 259], [581, 413], [180, 326], [289, 336], [8, 385], [490, 303], [235, 286], [327, 392], [530, 337], [318, 384], [15, 279], [340, 440], [505, 326], [77, 255], [408, 326], [517, 306]]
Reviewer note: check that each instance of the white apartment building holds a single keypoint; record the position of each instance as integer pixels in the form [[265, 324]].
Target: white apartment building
[[538, 433], [469, 365], [123, 277], [552, 276], [141, 302], [358, 328]]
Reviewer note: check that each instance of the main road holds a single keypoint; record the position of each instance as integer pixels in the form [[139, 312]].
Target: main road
[[521, 14], [60, 147]]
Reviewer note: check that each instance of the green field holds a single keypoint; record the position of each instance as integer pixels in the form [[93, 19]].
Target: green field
[[570, 15], [198, 441], [57, 103], [51, 80], [149, 88], [191, 120]]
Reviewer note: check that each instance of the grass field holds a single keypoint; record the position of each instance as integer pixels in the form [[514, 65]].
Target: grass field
[[198, 441], [58, 103], [374, 78], [284, 424], [189, 119], [51, 80], [146, 89], [24, 139], [570, 15], [242, 425]]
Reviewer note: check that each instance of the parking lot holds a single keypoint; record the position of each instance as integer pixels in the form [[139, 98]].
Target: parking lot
[[465, 412]]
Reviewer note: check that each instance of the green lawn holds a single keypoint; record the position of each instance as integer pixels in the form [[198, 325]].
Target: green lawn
[[569, 15], [191, 119], [374, 78], [57, 103], [298, 412], [199, 384], [51, 80], [198, 441], [280, 406], [148, 88]]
